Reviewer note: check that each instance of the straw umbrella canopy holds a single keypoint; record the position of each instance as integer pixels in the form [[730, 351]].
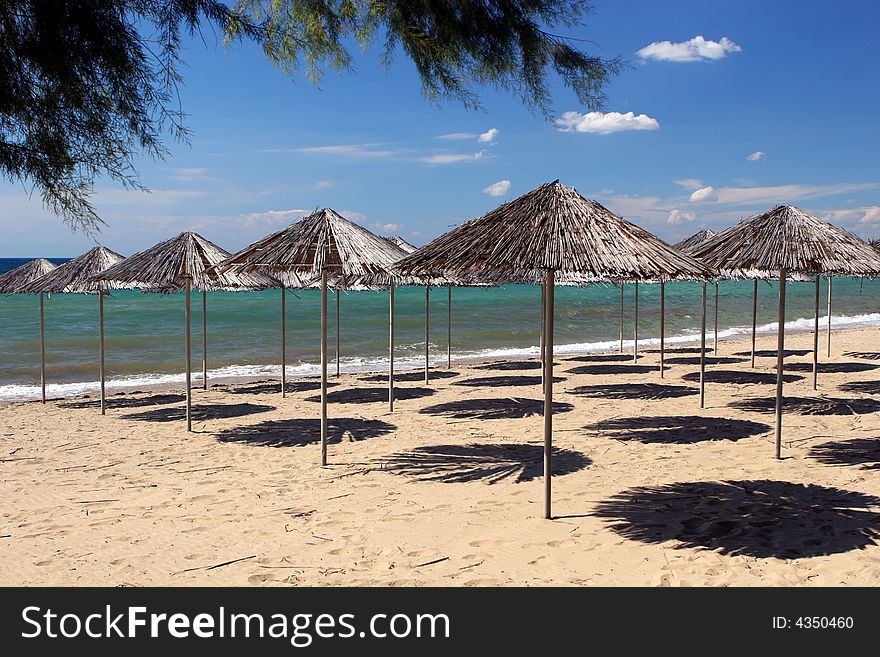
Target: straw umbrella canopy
[[182, 263], [75, 277], [12, 282], [781, 242], [323, 244], [553, 230]]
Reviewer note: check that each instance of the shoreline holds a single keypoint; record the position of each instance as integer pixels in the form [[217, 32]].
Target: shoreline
[[116, 388]]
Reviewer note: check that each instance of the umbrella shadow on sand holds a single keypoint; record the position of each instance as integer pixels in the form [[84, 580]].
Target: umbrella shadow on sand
[[372, 395], [269, 387], [635, 391], [415, 376], [760, 519], [509, 408], [858, 451], [710, 360], [504, 366], [492, 463], [745, 378], [602, 358], [832, 368], [612, 368], [809, 405], [866, 387], [678, 429], [866, 355], [200, 412], [299, 432], [504, 381], [771, 353], [121, 401]]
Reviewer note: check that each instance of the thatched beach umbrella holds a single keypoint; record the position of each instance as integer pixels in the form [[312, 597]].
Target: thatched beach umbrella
[[183, 263], [548, 231], [76, 277], [12, 282], [781, 242], [323, 244]]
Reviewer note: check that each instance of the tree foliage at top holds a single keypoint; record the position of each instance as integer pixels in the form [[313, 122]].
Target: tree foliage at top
[[87, 85]]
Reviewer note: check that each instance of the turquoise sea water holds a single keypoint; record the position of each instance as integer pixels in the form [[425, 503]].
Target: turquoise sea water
[[144, 332]]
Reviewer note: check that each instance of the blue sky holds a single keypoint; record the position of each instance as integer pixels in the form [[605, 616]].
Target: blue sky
[[794, 85]]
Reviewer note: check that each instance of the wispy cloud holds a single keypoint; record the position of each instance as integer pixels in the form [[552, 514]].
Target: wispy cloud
[[689, 183], [453, 158], [778, 193], [603, 123], [698, 49], [387, 229], [756, 156], [499, 188], [271, 219], [458, 136], [350, 150], [868, 214], [189, 174], [324, 184]]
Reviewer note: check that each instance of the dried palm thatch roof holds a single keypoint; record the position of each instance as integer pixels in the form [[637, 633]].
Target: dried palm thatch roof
[[401, 244], [12, 282], [788, 238], [552, 227], [875, 244], [688, 243], [166, 266], [322, 241], [76, 276]]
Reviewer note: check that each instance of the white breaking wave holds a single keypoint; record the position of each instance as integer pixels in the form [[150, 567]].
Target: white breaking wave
[[21, 392]]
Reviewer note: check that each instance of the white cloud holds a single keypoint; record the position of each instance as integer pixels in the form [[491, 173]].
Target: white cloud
[[603, 123], [488, 137], [756, 156], [187, 174], [499, 188], [351, 150], [324, 184], [787, 193], [688, 183], [453, 158], [697, 49], [386, 228], [703, 194], [676, 216], [272, 219]]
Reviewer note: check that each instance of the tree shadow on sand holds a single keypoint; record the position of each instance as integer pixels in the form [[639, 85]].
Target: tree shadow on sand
[[417, 375], [611, 368], [809, 405], [510, 408], [858, 451], [602, 358], [511, 365], [504, 381], [866, 387], [269, 387], [296, 433], [735, 376], [710, 360], [832, 368], [678, 429], [771, 353], [371, 395], [456, 464], [121, 401], [200, 412], [760, 519], [866, 355], [634, 391]]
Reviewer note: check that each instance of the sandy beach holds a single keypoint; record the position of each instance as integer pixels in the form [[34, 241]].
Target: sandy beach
[[447, 490]]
